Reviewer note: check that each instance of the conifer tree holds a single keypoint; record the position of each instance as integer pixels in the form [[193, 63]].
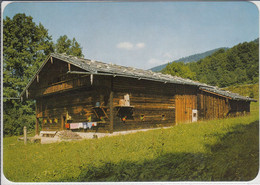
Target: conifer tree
[[70, 47]]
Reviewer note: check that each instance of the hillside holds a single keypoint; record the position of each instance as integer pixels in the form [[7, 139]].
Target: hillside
[[216, 150], [237, 65], [250, 90], [187, 59]]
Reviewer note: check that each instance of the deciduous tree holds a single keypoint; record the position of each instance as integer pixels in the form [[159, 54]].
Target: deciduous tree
[[25, 46]]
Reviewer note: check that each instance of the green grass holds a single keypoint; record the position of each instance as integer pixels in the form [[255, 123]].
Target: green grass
[[226, 149], [250, 90]]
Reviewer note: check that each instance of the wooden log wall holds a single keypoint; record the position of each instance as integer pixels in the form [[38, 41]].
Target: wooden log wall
[[54, 78], [77, 104], [148, 111], [153, 103]]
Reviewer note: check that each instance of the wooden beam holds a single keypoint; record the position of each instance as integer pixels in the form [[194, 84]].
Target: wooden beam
[[91, 79], [79, 72], [68, 66], [38, 79], [51, 60]]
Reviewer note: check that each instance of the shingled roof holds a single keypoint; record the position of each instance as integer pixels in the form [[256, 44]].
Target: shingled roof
[[100, 68]]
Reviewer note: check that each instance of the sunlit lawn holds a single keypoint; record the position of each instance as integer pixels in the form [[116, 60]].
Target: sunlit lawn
[[224, 149]]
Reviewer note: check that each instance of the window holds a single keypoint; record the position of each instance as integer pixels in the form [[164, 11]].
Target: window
[[163, 117], [142, 117]]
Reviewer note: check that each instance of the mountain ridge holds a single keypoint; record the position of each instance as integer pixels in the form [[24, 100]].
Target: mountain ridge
[[190, 58], [223, 68]]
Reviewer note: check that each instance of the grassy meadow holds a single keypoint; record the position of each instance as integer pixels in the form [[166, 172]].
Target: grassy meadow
[[217, 150]]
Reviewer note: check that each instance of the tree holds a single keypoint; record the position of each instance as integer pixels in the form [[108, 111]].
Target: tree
[[70, 47], [25, 46], [179, 69], [63, 44]]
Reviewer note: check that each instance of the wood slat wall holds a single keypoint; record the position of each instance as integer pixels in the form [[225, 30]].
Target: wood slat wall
[[211, 106]]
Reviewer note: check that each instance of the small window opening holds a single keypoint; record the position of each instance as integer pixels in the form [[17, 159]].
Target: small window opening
[[142, 117], [163, 117]]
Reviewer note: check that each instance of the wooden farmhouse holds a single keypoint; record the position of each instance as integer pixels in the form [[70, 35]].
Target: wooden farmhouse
[[86, 95]]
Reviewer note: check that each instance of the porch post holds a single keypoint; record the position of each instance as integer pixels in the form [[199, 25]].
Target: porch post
[[37, 118], [111, 108]]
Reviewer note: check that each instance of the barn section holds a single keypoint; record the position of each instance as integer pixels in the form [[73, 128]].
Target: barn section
[[71, 91], [215, 103]]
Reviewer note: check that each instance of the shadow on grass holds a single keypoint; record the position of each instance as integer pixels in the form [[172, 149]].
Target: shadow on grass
[[234, 158]]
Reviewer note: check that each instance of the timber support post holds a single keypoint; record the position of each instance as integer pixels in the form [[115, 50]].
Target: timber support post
[[37, 127], [111, 108], [25, 135]]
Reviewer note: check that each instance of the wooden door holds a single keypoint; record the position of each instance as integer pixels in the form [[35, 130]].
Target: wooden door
[[184, 106]]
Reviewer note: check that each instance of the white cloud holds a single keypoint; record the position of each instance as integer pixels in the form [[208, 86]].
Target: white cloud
[[130, 46], [140, 45], [125, 45]]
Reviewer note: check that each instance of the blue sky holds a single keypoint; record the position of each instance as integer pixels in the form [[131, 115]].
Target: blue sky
[[145, 34]]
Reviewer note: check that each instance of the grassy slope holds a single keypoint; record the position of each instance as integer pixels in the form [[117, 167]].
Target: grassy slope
[[211, 150], [250, 90]]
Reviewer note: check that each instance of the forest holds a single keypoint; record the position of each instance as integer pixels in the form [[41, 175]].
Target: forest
[[225, 67]]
